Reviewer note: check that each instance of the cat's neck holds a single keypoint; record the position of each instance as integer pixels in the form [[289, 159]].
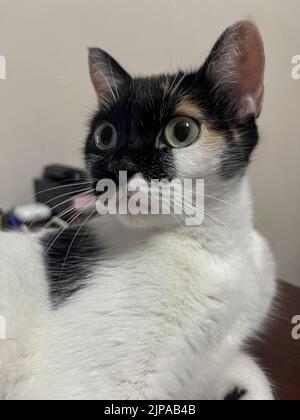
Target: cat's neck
[[229, 213], [231, 205]]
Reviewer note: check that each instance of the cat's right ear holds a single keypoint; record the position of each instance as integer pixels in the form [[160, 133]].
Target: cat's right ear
[[234, 71], [107, 75]]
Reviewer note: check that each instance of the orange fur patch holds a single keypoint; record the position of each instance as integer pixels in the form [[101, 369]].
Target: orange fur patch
[[188, 108], [211, 139]]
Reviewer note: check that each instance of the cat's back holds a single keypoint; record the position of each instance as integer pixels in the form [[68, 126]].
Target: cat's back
[[21, 262], [17, 249]]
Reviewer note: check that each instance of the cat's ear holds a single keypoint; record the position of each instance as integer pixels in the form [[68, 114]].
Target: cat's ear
[[107, 75], [235, 69]]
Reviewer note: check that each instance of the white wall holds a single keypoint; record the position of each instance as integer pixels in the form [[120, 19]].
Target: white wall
[[47, 96]]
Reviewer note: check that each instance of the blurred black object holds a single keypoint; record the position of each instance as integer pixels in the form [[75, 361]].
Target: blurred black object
[[58, 185], [60, 173]]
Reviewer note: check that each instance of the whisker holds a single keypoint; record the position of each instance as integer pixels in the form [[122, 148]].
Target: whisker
[[64, 229], [37, 219], [68, 193], [87, 192], [259, 224], [73, 241], [57, 218], [64, 186], [223, 227], [181, 222]]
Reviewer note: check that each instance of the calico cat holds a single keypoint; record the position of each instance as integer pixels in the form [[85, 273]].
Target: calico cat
[[143, 306]]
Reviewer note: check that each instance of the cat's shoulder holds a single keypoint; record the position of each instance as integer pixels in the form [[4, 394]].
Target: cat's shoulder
[[16, 245]]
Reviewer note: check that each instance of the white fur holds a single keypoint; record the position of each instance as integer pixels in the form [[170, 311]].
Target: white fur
[[165, 315]]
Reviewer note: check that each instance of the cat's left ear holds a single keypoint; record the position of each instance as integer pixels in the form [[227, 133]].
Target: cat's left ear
[[107, 75], [235, 68]]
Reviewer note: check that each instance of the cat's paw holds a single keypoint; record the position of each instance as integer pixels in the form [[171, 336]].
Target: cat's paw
[[244, 380], [240, 394]]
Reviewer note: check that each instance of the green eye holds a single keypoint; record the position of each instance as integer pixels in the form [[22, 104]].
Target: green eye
[[106, 137], [181, 132]]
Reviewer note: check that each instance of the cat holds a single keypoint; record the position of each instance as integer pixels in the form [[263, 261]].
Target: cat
[[144, 306]]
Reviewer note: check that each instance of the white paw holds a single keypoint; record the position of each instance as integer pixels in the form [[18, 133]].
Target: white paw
[[248, 381]]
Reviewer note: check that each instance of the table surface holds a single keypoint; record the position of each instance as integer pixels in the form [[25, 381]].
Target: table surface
[[277, 350]]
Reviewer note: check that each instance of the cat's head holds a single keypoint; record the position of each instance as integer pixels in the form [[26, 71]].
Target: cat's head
[[194, 125]]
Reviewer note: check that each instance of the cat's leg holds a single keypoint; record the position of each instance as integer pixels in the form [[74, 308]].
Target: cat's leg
[[243, 379]]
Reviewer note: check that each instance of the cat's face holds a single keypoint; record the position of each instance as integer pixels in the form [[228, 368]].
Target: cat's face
[[196, 125]]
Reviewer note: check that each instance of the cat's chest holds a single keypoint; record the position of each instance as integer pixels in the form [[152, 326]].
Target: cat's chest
[[160, 298], [160, 262], [173, 274], [152, 299]]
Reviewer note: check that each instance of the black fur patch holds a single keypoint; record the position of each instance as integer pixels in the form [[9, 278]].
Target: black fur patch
[[139, 119], [70, 258], [241, 136], [140, 116], [236, 395], [239, 146]]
